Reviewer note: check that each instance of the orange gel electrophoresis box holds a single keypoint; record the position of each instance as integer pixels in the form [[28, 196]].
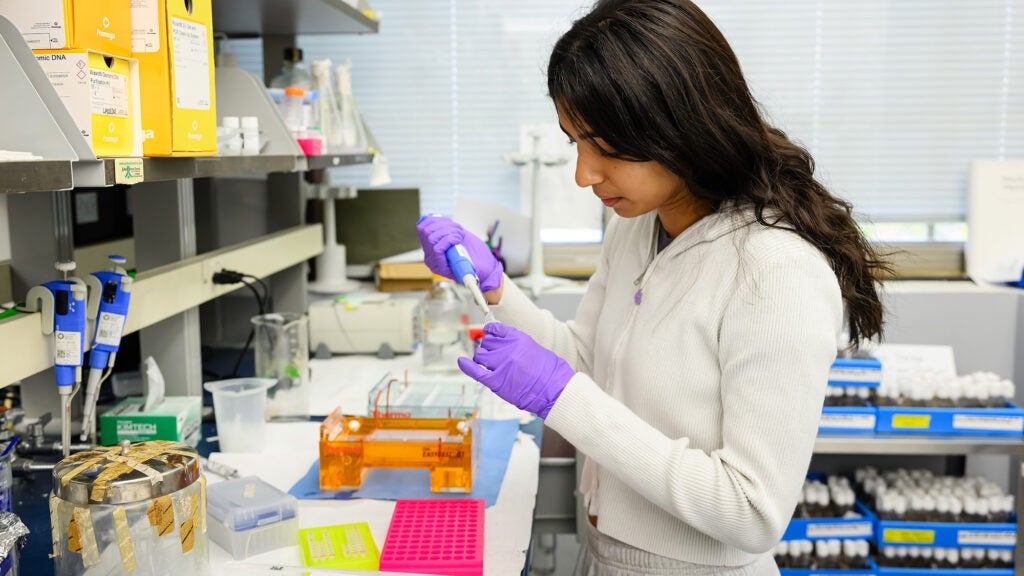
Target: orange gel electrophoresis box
[[350, 445]]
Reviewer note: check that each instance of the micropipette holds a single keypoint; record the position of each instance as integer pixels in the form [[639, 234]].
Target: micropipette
[[110, 293], [62, 304], [465, 272]]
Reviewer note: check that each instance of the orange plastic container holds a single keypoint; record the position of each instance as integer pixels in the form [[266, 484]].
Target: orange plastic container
[[350, 445]]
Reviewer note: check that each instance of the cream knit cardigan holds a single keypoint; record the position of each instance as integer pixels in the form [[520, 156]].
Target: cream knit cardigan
[[698, 407]]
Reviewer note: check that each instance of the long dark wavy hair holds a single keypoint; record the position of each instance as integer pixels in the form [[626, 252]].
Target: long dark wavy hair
[[657, 81]]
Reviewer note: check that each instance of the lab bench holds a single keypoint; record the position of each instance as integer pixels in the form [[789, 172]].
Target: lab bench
[[289, 453], [345, 381]]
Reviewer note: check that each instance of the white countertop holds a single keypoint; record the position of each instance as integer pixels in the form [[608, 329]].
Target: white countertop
[[292, 448]]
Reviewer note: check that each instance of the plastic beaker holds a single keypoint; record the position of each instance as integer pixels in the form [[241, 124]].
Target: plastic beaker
[[282, 354], [239, 407]]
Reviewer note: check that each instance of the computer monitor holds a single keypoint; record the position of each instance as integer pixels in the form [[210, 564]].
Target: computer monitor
[[377, 223]]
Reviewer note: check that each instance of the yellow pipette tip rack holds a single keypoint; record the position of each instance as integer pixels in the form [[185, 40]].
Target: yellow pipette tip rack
[[345, 546]]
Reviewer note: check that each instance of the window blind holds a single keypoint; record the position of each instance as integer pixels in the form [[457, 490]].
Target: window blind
[[893, 97], [445, 88]]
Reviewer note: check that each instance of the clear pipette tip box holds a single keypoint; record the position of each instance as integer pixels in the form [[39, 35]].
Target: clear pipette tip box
[[249, 517]]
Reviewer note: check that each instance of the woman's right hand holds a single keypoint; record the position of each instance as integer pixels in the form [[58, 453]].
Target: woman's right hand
[[439, 233]]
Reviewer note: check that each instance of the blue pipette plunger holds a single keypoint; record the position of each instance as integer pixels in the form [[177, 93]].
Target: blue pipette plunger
[[465, 273]]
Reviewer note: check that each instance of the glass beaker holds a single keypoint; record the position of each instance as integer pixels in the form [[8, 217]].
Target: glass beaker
[[445, 325], [282, 354]]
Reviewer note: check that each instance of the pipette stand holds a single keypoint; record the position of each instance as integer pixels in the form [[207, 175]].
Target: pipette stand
[[331, 275], [536, 281]]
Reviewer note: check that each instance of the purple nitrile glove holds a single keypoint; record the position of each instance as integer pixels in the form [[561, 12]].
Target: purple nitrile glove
[[438, 234], [517, 369]]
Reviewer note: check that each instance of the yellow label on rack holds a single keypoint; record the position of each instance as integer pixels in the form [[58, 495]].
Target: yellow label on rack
[[903, 536], [911, 420]]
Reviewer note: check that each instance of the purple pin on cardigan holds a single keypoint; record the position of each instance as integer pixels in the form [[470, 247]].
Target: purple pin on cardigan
[[638, 297]]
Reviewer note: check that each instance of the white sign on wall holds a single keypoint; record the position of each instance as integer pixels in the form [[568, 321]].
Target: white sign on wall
[[995, 231]]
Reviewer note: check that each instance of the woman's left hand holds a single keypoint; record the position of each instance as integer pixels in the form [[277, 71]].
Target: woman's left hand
[[517, 369]]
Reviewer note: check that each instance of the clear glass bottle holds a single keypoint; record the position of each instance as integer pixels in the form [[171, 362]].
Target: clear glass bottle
[[445, 323], [329, 107], [293, 111], [353, 134], [293, 71]]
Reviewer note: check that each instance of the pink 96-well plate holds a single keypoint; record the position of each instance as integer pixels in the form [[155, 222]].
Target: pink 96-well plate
[[435, 537]]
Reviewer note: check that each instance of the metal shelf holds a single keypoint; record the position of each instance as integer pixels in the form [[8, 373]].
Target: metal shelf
[[68, 161], [48, 175], [233, 166], [162, 169], [917, 444], [31, 107], [163, 292], [335, 160], [153, 169], [275, 18], [35, 176]]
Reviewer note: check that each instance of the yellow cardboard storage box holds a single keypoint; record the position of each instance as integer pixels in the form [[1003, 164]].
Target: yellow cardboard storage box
[[102, 25], [102, 94], [173, 42]]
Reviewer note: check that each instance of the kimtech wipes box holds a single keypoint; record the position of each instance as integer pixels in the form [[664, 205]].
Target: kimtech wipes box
[[177, 418], [102, 94], [173, 42], [102, 25]]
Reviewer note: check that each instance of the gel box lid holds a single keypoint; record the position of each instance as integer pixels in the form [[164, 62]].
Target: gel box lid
[[424, 397], [246, 503]]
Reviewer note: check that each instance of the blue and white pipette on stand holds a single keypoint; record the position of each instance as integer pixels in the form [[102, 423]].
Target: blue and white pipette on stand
[[465, 273], [110, 291], [62, 304]]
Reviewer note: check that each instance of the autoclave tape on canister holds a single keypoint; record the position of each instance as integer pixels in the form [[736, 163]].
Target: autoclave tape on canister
[[204, 502], [112, 472], [87, 463], [121, 465], [82, 536], [188, 508], [54, 525], [81, 531], [161, 515], [124, 539]]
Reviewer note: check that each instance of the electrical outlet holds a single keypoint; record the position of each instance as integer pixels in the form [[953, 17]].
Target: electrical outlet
[[210, 266]]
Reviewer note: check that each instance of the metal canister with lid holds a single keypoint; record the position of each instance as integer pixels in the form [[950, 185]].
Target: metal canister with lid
[[136, 509]]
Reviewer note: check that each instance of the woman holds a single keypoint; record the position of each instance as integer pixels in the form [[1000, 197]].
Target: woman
[[694, 373]]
